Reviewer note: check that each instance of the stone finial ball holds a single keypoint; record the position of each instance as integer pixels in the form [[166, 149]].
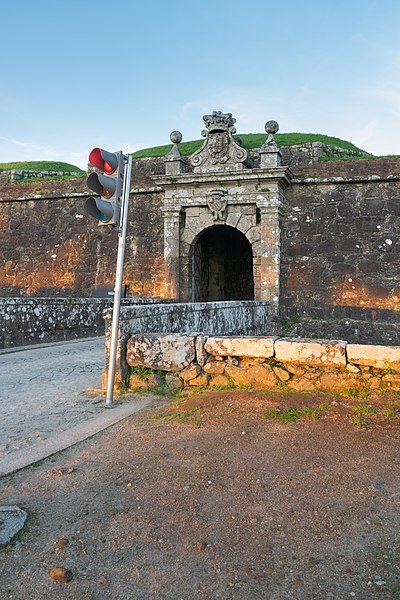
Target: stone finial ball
[[176, 137], [271, 127]]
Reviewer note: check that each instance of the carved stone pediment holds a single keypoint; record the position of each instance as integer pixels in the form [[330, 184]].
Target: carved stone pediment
[[220, 151]]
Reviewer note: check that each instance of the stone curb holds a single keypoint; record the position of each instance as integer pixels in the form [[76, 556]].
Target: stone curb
[[62, 440], [48, 345]]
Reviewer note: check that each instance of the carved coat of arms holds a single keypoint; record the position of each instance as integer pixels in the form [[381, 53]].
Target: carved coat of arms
[[220, 150]]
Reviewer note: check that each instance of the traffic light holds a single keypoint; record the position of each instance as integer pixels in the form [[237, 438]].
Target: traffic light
[[107, 186]]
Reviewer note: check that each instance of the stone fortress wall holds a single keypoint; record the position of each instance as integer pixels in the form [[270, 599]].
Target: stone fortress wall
[[340, 261]]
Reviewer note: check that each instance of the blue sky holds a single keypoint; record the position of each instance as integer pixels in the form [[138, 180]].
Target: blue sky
[[75, 75]]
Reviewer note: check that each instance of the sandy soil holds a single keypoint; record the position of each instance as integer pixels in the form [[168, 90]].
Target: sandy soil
[[230, 494]]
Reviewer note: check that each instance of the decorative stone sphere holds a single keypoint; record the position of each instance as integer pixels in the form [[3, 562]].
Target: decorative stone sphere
[[176, 137], [271, 127]]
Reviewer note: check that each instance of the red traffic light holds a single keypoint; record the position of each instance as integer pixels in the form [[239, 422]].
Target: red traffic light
[[103, 160]]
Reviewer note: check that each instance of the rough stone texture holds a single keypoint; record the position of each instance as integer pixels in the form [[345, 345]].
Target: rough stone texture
[[258, 376], [200, 380], [164, 352], [25, 321], [201, 354], [220, 318], [281, 373], [336, 381], [50, 247], [215, 367], [173, 382], [311, 352], [241, 346], [219, 380], [12, 520], [392, 380], [382, 357], [190, 372], [340, 258], [136, 382]]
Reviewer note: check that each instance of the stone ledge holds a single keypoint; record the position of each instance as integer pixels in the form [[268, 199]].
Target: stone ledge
[[320, 353], [381, 357], [241, 346]]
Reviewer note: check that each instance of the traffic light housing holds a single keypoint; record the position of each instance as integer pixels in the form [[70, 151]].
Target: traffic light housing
[[107, 185]]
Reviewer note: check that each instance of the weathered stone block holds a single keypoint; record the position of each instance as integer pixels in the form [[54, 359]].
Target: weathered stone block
[[214, 367], [219, 380], [257, 376], [392, 380], [201, 354], [173, 382], [281, 373], [320, 353], [381, 357], [201, 380], [335, 382], [158, 351], [190, 372], [136, 382], [241, 346]]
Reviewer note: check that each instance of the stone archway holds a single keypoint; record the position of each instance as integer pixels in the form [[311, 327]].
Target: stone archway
[[221, 266]]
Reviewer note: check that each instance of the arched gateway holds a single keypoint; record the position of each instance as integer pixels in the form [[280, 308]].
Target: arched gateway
[[221, 266], [222, 216]]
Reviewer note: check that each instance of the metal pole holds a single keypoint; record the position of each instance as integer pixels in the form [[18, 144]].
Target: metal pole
[[118, 284]]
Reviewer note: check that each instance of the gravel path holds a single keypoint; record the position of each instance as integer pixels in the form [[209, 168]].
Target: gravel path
[[43, 390]]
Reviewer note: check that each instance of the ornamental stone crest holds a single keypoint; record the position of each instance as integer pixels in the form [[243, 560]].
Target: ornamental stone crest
[[217, 203], [220, 151]]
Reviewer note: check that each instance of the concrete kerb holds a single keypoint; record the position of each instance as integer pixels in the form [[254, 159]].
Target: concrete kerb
[[62, 440]]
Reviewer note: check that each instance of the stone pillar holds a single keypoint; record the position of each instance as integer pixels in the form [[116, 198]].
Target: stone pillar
[[175, 163], [172, 221], [269, 269], [270, 155]]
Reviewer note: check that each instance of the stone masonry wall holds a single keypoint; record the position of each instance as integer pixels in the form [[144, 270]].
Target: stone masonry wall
[[261, 362], [235, 318], [340, 244], [50, 247], [25, 321]]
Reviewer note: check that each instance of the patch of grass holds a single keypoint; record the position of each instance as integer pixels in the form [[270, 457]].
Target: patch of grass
[[366, 409], [283, 415], [55, 178], [390, 414], [39, 166], [361, 422], [256, 140], [37, 464], [362, 391], [395, 590], [291, 414]]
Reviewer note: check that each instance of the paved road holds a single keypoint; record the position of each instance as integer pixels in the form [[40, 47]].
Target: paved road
[[43, 391]]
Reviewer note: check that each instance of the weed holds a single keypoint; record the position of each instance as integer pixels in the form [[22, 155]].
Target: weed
[[282, 385], [37, 464], [365, 409], [283, 415], [389, 414], [219, 388], [395, 590], [315, 413], [360, 421]]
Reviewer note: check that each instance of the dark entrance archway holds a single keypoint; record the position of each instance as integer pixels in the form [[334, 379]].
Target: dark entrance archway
[[222, 266]]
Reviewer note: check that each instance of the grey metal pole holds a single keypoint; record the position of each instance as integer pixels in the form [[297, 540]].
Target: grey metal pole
[[118, 284]]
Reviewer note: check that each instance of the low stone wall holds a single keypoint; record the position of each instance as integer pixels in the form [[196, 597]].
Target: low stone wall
[[260, 362], [25, 321], [210, 318]]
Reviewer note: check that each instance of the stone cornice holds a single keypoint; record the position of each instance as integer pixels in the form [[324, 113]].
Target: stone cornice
[[281, 175]]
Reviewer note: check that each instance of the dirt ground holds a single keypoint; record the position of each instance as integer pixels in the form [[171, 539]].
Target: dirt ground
[[229, 494]]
